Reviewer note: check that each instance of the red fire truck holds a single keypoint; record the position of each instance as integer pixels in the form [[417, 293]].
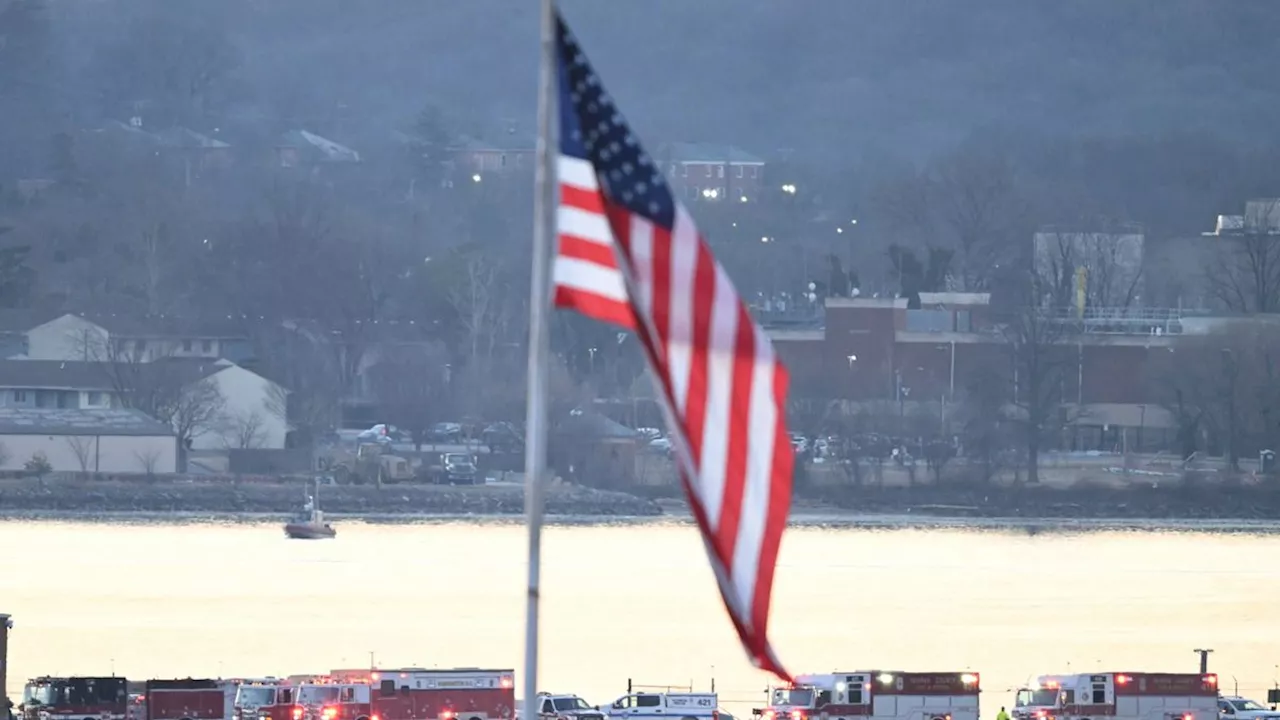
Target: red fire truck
[[302, 697], [189, 699], [1120, 695], [415, 693], [75, 698], [884, 695]]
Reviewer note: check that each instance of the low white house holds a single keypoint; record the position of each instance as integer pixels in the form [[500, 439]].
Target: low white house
[[106, 337], [223, 405], [110, 441]]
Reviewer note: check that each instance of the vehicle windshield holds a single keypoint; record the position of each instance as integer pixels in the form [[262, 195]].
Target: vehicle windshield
[[457, 459], [1037, 698], [38, 693], [802, 697], [317, 694], [1246, 705], [574, 703], [255, 696]]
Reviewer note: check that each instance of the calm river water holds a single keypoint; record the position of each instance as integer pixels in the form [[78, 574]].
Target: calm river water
[[633, 602]]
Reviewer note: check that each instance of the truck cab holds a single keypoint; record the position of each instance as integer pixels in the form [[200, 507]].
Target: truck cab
[[1036, 703], [81, 698]]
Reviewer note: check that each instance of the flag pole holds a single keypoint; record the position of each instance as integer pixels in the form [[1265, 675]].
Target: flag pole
[[535, 448]]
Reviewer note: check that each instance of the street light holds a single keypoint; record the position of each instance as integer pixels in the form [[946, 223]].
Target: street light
[[1204, 659], [789, 189]]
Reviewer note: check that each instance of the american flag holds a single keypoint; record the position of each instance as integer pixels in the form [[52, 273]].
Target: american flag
[[630, 255]]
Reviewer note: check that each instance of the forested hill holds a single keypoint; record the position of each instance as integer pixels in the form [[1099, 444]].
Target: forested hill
[[819, 76]]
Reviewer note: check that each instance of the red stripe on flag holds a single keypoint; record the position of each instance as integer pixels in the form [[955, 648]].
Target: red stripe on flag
[[572, 246], [583, 199], [595, 307]]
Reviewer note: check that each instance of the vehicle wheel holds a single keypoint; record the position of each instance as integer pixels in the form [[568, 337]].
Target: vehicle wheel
[[342, 475], [363, 717]]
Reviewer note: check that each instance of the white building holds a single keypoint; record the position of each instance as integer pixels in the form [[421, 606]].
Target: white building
[[109, 441], [249, 408]]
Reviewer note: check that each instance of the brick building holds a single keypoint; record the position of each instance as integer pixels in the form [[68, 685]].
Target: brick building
[[868, 350]]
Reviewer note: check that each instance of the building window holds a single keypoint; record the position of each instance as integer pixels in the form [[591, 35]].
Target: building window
[[719, 171], [739, 171], [19, 396], [95, 399], [206, 346], [710, 171], [754, 171], [502, 160], [186, 346]]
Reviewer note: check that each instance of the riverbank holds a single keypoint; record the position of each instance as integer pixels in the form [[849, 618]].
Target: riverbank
[[925, 506], [226, 498]]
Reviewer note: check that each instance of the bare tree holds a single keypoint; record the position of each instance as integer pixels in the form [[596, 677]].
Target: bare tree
[[38, 466], [412, 385], [174, 391], [1244, 268], [148, 461], [82, 447], [244, 432], [1109, 257], [1223, 389], [966, 201]]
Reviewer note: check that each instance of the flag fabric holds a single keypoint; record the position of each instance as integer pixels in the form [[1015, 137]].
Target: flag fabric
[[630, 255]]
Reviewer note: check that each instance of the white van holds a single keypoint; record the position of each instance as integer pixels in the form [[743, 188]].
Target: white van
[[678, 706]]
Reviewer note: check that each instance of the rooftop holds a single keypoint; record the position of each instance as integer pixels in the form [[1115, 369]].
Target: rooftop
[[119, 421], [104, 376]]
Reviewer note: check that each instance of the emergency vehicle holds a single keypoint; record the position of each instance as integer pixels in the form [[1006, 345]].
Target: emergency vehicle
[[417, 693], [683, 705], [75, 698], [887, 695], [254, 699], [565, 707], [1124, 696], [304, 697], [188, 700]]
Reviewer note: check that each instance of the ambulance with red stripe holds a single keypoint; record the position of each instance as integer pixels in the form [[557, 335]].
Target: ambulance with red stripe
[[1119, 696], [880, 694]]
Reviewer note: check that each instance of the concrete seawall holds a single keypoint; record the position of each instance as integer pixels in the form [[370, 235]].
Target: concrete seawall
[[226, 497]]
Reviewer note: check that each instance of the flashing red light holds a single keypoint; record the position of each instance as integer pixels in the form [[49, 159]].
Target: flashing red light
[[1188, 716], [770, 715], [797, 715], [297, 713], [1122, 679], [375, 676], [1210, 679], [446, 715], [329, 713], [376, 717], [506, 682]]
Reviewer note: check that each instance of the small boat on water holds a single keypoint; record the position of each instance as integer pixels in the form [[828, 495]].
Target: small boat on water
[[310, 525]]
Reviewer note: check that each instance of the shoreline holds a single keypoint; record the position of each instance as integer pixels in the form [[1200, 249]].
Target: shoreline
[[804, 518]]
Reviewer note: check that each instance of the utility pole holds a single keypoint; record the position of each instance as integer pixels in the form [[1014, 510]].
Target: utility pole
[[1204, 659]]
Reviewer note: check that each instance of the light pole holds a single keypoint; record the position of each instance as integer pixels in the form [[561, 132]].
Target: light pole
[[1204, 659]]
